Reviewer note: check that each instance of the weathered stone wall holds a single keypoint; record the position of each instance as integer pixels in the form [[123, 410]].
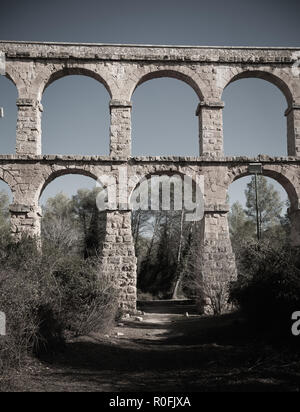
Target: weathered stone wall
[[218, 261], [211, 128], [293, 128], [29, 127], [118, 259], [32, 67], [120, 128]]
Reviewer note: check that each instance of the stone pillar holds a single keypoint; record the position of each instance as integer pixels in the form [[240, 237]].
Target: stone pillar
[[118, 259], [218, 260], [29, 127], [293, 130], [25, 220], [120, 128], [210, 128]]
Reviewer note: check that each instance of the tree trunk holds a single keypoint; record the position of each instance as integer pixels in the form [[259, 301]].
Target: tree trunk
[[175, 293]]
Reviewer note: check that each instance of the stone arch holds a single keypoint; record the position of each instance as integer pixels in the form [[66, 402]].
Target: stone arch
[[145, 175], [88, 92], [10, 180], [60, 173], [267, 76], [70, 71], [274, 174], [86, 248], [183, 74], [140, 176], [185, 104], [8, 184], [286, 138], [14, 76], [8, 140], [14, 82]]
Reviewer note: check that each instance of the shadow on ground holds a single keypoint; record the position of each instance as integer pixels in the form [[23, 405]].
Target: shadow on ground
[[176, 307], [167, 353]]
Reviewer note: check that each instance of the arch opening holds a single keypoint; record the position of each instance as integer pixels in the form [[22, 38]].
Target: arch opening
[[75, 71], [6, 198], [76, 116], [254, 121], [281, 182], [268, 77], [259, 210], [8, 97], [171, 74], [165, 239], [70, 217], [163, 118]]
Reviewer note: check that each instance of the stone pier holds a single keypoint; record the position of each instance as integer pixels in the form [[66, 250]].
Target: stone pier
[[32, 67]]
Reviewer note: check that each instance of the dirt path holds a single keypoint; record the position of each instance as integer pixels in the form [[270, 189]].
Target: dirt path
[[163, 353]]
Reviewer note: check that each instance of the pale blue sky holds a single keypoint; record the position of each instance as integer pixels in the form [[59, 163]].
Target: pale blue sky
[[76, 115]]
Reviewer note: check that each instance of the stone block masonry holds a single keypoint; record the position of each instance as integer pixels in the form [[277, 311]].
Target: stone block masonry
[[121, 69]]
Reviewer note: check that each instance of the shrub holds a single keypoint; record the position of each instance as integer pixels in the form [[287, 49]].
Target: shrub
[[268, 288], [89, 302], [44, 294]]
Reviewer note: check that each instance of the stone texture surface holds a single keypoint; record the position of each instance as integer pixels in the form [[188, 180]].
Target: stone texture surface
[[218, 261], [211, 128], [293, 127], [32, 67], [118, 257], [29, 127], [120, 128]]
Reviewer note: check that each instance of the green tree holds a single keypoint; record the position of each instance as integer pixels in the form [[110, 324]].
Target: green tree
[[237, 218], [242, 222], [269, 203], [90, 220], [75, 224], [59, 226], [4, 218], [58, 205], [4, 208], [241, 228]]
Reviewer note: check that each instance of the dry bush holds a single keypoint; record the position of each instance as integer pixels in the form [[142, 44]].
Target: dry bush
[[268, 287], [45, 294], [210, 298]]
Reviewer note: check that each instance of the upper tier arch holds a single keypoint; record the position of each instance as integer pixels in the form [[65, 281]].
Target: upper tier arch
[[70, 71], [267, 76], [179, 73]]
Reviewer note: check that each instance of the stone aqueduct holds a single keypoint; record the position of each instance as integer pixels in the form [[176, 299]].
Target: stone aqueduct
[[32, 67]]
